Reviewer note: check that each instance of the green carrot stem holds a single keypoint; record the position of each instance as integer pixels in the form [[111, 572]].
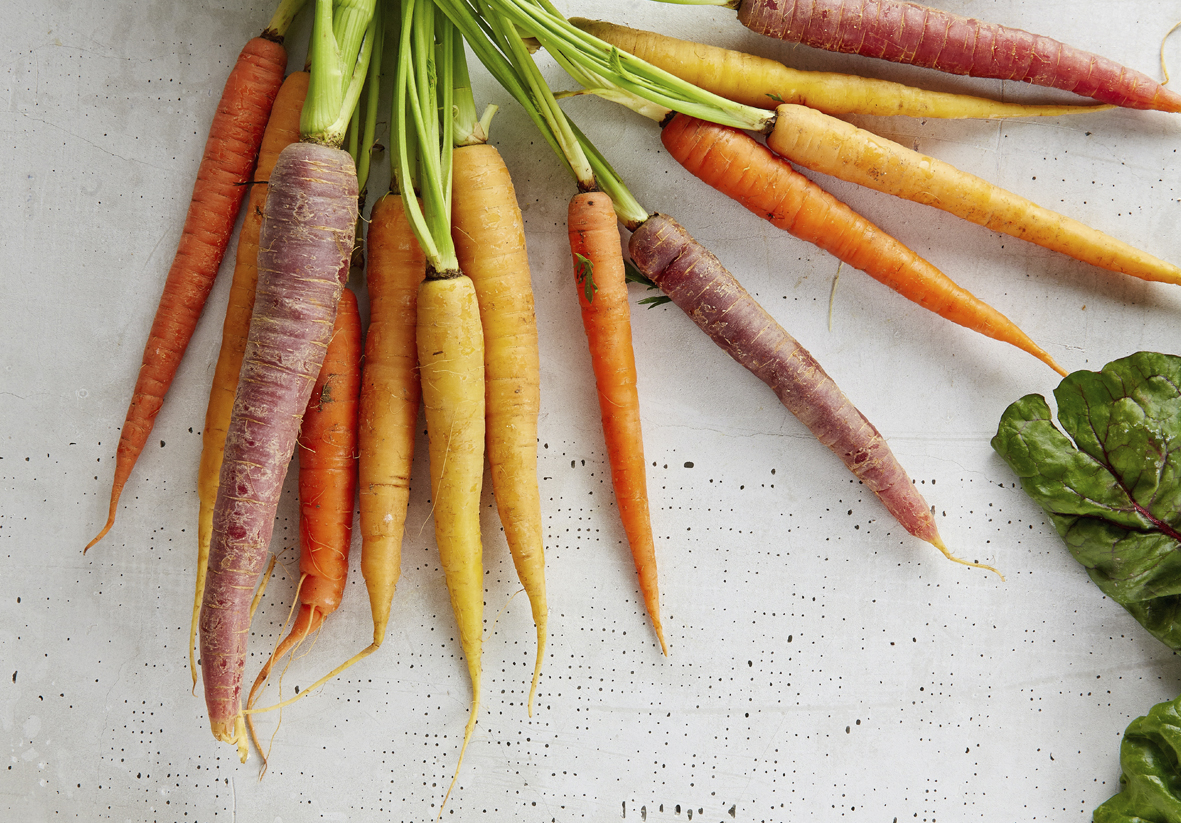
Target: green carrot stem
[[281, 20], [337, 75]]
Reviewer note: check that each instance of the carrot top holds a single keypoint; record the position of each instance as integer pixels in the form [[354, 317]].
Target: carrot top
[[342, 44]]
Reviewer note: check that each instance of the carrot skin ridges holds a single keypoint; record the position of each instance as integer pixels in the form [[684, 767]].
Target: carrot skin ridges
[[737, 165], [919, 35], [699, 284], [606, 318], [231, 150], [489, 235], [390, 397], [831, 146], [282, 130], [328, 464], [306, 239]]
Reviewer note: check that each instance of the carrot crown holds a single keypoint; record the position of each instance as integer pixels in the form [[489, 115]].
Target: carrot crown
[[281, 20]]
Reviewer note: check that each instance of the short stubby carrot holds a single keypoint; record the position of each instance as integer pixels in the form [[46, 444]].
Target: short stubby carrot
[[489, 235], [222, 177], [831, 146], [306, 240], [922, 36], [282, 130], [699, 284], [737, 165], [602, 295], [390, 397], [327, 450], [765, 83]]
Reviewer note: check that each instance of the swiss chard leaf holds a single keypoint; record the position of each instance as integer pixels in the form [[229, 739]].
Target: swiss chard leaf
[[1150, 758], [1114, 493]]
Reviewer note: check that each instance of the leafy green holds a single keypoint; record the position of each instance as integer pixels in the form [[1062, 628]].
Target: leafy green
[[1114, 493], [1150, 757]]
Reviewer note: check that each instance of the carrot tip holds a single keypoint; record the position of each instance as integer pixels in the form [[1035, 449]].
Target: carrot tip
[[101, 534], [938, 543]]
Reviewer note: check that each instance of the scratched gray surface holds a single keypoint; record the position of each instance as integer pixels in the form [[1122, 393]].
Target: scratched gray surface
[[824, 665]]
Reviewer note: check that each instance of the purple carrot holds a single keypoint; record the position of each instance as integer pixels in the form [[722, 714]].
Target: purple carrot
[[916, 34], [303, 260], [702, 287]]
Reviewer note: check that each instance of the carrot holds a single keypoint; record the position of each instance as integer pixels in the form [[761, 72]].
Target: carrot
[[282, 130], [306, 236], [226, 167], [489, 235], [390, 396], [304, 247], [602, 295], [922, 36], [449, 337], [740, 167], [699, 284], [758, 81], [831, 146], [450, 345], [327, 485]]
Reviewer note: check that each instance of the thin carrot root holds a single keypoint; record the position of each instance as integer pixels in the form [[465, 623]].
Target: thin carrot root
[[938, 543]]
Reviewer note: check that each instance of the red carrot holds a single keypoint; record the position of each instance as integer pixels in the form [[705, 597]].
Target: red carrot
[[226, 166], [699, 284], [304, 248], [911, 33]]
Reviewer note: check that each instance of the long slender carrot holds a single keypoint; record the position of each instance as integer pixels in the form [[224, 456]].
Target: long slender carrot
[[832, 146], [390, 397], [759, 81], [451, 363], [489, 235], [699, 284], [922, 36], [737, 165], [327, 449], [282, 130], [602, 295], [226, 166]]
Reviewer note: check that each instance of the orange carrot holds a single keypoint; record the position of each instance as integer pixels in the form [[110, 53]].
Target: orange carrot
[[282, 130], [737, 165], [390, 395], [327, 484], [602, 293], [230, 152]]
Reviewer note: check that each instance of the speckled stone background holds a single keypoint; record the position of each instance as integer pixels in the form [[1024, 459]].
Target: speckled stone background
[[825, 665]]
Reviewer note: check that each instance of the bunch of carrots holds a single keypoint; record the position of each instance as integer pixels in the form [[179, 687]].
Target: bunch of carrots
[[451, 324]]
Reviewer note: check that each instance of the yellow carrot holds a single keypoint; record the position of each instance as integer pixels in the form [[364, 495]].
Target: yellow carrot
[[451, 365], [831, 146], [489, 236], [764, 83]]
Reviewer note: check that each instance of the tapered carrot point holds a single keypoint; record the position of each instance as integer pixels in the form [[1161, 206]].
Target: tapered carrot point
[[937, 542]]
